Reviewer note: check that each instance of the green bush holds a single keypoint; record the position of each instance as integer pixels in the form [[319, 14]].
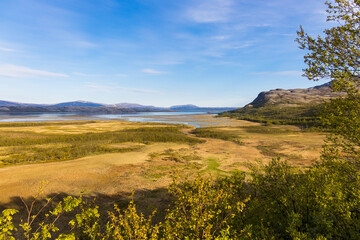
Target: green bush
[[278, 201]]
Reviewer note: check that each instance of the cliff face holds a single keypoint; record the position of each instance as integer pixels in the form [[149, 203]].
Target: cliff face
[[294, 97]]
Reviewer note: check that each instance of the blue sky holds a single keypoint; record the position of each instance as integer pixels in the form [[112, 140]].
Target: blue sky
[[152, 52]]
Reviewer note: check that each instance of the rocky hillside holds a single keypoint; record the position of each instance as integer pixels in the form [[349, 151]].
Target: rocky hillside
[[294, 97], [299, 107]]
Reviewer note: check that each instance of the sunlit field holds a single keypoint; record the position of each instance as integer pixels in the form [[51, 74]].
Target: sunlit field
[[117, 157]]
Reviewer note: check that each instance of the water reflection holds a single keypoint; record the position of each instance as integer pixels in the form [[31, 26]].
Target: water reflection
[[188, 118]]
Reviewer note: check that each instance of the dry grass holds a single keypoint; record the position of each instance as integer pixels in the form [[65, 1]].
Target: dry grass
[[150, 166], [79, 127]]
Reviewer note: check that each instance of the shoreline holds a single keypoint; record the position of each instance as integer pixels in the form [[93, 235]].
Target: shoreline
[[195, 119]]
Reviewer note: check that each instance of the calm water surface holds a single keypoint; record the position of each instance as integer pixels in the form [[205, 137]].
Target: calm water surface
[[188, 118]]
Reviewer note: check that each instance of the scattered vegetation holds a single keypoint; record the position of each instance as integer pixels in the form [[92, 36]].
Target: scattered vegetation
[[37, 124], [267, 130], [170, 161], [306, 116], [30, 147], [272, 151], [175, 156], [217, 134], [212, 164], [278, 201]]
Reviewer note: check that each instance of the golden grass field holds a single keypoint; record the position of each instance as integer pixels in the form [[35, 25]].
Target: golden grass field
[[148, 165]]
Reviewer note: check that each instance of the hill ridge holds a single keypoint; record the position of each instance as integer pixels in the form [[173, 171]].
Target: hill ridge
[[294, 97]]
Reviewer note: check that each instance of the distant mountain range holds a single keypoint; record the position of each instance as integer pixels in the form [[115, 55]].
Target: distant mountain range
[[91, 107]]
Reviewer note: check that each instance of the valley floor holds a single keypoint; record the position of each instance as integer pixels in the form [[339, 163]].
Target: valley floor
[[144, 165]]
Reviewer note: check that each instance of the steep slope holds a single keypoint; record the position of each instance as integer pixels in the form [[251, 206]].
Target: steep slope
[[294, 97], [294, 106]]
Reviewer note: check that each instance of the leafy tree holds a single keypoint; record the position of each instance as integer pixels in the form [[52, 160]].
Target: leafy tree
[[336, 56], [204, 209], [334, 181]]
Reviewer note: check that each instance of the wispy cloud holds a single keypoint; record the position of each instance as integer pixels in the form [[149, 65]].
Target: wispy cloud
[[86, 74], [83, 44], [96, 75], [121, 75], [137, 90], [280, 73], [253, 25], [98, 87], [3, 49], [152, 71], [240, 45], [210, 11], [111, 88], [220, 37], [166, 62], [9, 70]]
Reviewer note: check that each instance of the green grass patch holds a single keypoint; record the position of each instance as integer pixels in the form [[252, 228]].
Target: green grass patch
[[217, 134], [30, 147], [175, 156], [270, 151], [306, 116], [29, 154], [266, 130], [212, 165], [154, 173], [141, 135], [38, 124]]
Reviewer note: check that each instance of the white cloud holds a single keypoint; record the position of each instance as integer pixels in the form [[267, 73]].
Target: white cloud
[[3, 49], [152, 71], [9, 70], [210, 11], [281, 73]]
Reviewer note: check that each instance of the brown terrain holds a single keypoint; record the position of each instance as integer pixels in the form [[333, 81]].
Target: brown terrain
[[150, 166], [294, 97]]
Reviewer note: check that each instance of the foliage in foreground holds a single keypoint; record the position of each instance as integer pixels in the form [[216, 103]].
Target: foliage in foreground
[[278, 202]]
